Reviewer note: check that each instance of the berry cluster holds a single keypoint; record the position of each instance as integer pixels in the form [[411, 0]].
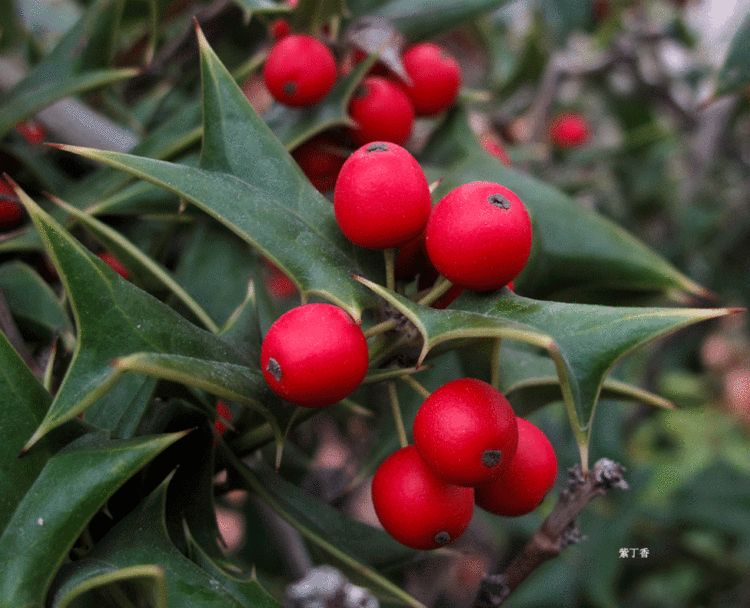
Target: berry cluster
[[468, 447], [301, 70]]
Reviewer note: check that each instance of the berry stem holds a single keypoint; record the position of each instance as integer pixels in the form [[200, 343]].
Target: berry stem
[[417, 386], [495, 363], [390, 268], [381, 328], [397, 417], [441, 286]]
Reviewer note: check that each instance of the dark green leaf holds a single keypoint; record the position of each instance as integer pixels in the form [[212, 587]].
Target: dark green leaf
[[584, 341], [31, 300], [311, 15], [424, 18], [250, 184], [71, 488], [114, 318], [23, 402], [188, 585], [79, 582]]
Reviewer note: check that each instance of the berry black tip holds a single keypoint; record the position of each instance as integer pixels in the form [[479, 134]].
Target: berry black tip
[[290, 88], [377, 147], [442, 538], [491, 458], [274, 369], [499, 201]]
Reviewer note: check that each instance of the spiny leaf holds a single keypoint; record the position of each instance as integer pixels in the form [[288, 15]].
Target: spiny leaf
[[69, 491], [80, 582], [114, 318], [584, 341], [249, 183]]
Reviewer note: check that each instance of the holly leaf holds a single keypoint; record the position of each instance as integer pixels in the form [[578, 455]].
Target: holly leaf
[[584, 341], [23, 402], [74, 66], [113, 319], [424, 18], [71, 488], [574, 248], [187, 583], [249, 183], [32, 301], [81, 583]]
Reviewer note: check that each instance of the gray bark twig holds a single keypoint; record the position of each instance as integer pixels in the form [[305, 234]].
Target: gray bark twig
[[558, 531]]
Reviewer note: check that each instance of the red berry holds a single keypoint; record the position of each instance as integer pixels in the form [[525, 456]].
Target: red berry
[[300, 70], [223, 415], [382, 111], [465, 430], [569, 130], [524, 480], [412, 260], [115, 264], [319, 162], [415, 506], [314, 355], [278, 284], [280, 28], [11, 211], [435, 78], [32, 131], [382, 198], [479, 236]]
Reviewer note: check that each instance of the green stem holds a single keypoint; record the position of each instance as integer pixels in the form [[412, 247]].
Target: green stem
[[441, 286], [254, 484], [390, 268], [418, 388], [397, 417], [381, 328], [495, 363]]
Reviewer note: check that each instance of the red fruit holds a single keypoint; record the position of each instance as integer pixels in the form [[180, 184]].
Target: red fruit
[[11, 211], [435, 78], [569, 130], [314, 355], [300, 70], [319, 162], [524, 481], [382, 198], [496, 149], [465, 430], [412, 260], [382, 112], [479, 236], [32, 131], [415, 506], [278, 284], [280, 28], [223, 415], [115, 264]]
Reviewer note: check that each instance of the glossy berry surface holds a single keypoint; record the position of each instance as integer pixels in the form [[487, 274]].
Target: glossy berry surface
[[382, 112], [314, 355], [320, 162], [524, 481], [569, 130], [115, 264], [382, 198], [11, 211], [435, 78], [299, 71], [465, 430], [479, 236], [416, 507], [280, 28]]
